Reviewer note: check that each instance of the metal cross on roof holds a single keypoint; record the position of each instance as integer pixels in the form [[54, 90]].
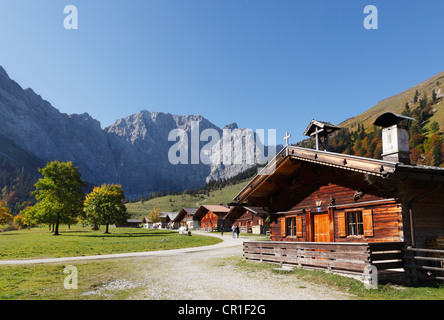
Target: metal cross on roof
[[287, 137]]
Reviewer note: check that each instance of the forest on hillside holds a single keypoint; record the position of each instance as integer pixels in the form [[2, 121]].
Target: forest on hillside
[[16, 186]]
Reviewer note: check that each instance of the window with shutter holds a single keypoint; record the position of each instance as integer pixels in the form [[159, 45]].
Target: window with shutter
[[342, 231], [367, 216], [283, 227], [298, 227]]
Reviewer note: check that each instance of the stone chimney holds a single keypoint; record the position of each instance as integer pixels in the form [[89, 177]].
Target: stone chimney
[[395, 137]]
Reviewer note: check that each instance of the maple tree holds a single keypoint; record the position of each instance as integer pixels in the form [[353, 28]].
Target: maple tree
[[105, 206]]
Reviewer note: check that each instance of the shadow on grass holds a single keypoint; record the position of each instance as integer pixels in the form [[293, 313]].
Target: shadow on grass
[[126, 235]]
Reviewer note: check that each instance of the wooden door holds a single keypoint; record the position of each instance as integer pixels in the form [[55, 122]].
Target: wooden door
[[321, 230]]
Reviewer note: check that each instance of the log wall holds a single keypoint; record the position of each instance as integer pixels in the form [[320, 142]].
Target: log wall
[[384, 223], [428, 213]]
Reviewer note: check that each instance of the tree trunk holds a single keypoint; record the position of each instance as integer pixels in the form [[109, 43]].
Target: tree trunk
[[106, 232], [56, 233]]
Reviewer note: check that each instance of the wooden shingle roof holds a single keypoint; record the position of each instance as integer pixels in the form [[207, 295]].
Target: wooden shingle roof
[[219, 210], [314, 124]]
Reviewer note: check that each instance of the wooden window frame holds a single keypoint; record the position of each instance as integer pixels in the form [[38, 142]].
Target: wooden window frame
[[354, 228], [290, 228]]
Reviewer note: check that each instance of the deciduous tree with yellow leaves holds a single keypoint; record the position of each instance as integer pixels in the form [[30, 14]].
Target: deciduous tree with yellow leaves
[[105, 206], [20, 221], [155, 215], [5, 216]]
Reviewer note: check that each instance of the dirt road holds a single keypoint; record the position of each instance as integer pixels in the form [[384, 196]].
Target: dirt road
[[212, 274]]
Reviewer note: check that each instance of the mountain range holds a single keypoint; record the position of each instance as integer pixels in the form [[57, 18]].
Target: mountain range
[[133, 151]]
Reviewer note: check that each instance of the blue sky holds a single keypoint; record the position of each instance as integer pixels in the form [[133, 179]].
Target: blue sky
[[261, 63]]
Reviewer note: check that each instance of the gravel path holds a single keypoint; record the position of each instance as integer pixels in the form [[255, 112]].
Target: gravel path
[[210, 274]]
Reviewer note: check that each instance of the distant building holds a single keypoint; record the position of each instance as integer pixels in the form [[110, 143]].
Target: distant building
[[165, 218], [211, 217], [131, 223], [170, 220], [185, 218], [249, 219]]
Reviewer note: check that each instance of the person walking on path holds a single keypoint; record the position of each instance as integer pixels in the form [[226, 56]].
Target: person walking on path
[[233, 229], [222, 231], [237, 231]]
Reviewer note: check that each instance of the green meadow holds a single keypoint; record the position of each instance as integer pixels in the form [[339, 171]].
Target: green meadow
[[82, 241], [46, 281]]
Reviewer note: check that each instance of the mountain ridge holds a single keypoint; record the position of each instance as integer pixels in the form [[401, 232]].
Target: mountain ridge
[[397, 102], [133, 151]]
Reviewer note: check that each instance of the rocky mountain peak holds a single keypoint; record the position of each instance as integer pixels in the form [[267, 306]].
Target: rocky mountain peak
[[133, 151], [232, 126]]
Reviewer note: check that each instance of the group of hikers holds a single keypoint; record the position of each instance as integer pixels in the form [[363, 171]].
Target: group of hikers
[[234, 229]]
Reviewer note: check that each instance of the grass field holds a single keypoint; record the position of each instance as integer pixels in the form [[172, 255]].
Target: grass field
[[46, 282], [79, 241]]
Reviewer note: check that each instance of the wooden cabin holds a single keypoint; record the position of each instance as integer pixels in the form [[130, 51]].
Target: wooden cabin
[[315, 196], [327, 197], [147, 223], [211, 217], [170, 221], [249, 219], [185, 218]]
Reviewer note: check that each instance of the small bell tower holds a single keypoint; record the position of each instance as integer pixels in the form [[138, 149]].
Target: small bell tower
[[320, 130]]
